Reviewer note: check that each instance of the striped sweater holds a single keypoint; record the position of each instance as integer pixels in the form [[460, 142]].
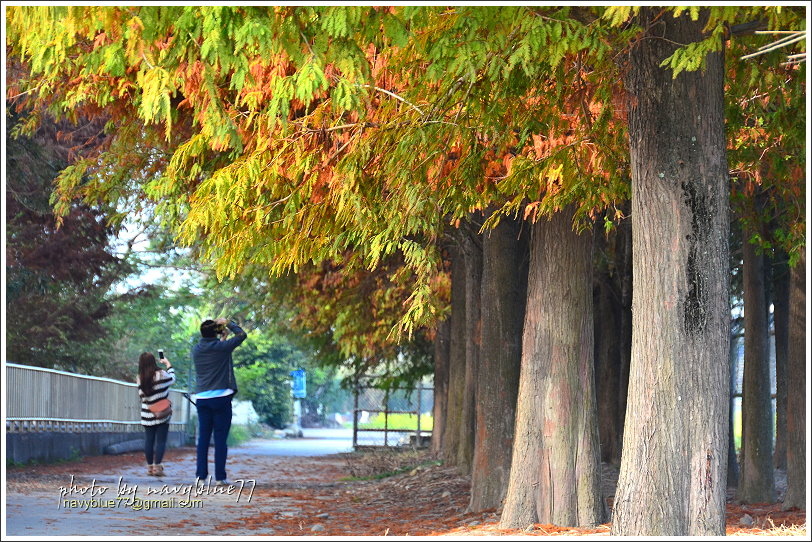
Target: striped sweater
[[160, 390]]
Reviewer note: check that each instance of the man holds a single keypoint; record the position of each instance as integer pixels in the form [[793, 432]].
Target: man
[[215, 388]]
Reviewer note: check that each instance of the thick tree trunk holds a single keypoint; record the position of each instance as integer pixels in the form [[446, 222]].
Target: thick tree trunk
[[671, 479], [456, 364], [780, 299], [442, 352], [472, 246], [796, 393], [555, 470], [756, 482], [504, 294]]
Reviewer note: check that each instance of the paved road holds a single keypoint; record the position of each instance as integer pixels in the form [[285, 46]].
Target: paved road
[[315, 442], [35, 507]]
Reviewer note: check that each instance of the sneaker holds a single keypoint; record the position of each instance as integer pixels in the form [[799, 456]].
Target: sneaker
[[222, 483]]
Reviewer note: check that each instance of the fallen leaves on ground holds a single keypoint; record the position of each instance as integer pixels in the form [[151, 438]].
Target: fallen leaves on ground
[[316, 496]]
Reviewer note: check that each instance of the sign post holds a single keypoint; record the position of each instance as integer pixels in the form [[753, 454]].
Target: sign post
[[299, 388]]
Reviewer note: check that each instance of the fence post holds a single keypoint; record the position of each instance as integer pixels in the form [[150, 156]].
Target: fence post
[[419, 439], [386, 418], [355, 416]]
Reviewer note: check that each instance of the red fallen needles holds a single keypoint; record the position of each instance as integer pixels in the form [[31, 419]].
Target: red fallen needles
[[428, 501]]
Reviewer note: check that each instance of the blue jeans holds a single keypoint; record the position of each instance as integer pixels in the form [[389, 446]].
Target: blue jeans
[[213, 415]]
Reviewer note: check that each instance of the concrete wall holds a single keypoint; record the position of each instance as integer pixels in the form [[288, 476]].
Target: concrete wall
[[53, 446], [243, 413]]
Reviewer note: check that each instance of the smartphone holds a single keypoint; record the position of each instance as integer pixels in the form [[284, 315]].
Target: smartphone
[[160, 354]]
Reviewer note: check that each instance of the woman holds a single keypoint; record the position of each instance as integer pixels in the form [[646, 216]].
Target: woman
[[153, 385]]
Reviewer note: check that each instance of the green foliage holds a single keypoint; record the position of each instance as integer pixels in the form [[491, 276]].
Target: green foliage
[[238, 434], [147, 319], [692, 56], [766, 119], [262, 366]]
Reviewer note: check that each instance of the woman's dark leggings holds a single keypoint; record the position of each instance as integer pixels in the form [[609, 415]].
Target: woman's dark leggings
[[155, 438]]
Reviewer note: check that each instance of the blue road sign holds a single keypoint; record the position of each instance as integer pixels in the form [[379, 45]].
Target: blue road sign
[[299, 383]]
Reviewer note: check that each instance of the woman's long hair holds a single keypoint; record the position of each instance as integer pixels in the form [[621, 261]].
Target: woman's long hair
[[146, 372]]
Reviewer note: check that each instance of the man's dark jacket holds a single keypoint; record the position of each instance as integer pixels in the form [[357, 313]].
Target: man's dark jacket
[[213, 363]]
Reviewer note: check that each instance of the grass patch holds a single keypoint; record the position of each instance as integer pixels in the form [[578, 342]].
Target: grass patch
[[399, 422], [72, 458], [238, 435], [737, 429]]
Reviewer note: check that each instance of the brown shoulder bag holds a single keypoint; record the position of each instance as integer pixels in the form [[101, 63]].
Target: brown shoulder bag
[[162, 408]]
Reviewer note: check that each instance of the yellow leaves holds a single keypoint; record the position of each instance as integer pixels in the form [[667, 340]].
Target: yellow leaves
[[124, 87], [157, 86], [136, 25], [134, 40], [552, 178], [617, 15]]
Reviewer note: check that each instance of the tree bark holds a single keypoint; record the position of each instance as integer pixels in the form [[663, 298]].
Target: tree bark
[[504, 294], [472, 246], [456, 365], [671, 479], [555, 470], [626, 281], [780, 324], [442, 352], [796, 393], [756, 482]]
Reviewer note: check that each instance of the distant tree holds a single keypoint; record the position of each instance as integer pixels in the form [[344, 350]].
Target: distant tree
[[57, 279], [756, 481], [262, 367], [147, 318], [326, 394]]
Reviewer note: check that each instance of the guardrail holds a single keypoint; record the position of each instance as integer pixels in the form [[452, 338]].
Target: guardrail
[[39, 399]]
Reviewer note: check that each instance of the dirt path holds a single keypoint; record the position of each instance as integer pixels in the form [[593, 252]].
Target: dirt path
[[292, 496]]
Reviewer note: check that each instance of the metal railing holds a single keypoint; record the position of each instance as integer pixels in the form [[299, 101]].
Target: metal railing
[[39, 399], [375, 415]]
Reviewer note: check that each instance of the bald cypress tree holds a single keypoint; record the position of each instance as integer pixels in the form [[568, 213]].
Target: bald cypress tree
[[675, 436]]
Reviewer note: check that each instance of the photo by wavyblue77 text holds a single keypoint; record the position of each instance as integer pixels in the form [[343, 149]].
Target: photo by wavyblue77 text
[[125, 495]]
